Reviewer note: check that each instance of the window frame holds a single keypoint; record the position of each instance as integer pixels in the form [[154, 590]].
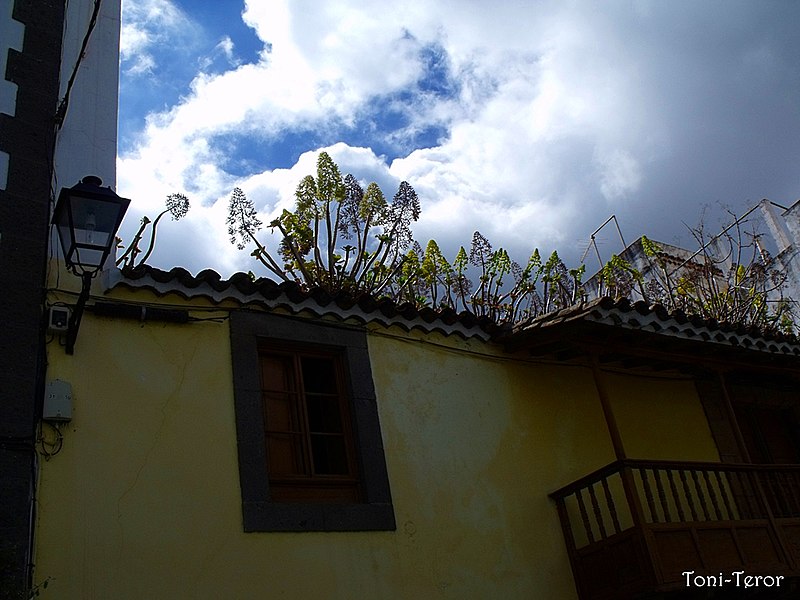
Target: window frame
[[308, 481], [249, 330]]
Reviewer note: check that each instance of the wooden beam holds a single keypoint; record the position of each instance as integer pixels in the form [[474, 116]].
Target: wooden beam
[[730, 413], [608, 413]]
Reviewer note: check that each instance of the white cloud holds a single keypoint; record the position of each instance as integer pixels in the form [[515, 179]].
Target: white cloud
[[148, 25], [517, 99], [225, 50], [620, 174], [560, 112]]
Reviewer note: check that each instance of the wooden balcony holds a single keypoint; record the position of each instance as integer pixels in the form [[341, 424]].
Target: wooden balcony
[[634, 527]]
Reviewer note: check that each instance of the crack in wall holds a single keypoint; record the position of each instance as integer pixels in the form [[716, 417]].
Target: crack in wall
[[182, 364]]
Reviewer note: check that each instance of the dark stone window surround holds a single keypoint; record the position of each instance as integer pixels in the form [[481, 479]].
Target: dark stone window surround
[[259, 513]]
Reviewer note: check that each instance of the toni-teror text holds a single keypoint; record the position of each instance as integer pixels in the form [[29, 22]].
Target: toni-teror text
[[732, 579]]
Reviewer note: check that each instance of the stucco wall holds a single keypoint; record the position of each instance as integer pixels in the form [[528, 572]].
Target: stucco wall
[[144, 502], [474, 446], [661, 417]]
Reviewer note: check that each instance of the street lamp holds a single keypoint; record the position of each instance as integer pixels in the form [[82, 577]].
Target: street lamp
[[87, 217]]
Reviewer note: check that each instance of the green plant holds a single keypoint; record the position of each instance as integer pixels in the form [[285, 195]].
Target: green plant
[[730, 279], [343, 238], [177, 205], [328, 211]]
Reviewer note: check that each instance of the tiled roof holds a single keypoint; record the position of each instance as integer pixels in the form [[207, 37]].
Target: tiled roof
[[670, 327], [599, 320], [246, 291]]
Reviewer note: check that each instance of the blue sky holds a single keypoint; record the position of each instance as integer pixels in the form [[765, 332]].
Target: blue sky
[[532, 122]]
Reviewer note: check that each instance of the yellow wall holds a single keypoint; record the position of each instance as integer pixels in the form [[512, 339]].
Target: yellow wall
[[661, 418], [143, 501]]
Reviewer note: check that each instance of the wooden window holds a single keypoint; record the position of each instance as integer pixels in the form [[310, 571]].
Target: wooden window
[[308, 432], [311, 454]]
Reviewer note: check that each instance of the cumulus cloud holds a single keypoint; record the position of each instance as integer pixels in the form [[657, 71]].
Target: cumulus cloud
[[223, 50], [620, 174], [148, 25], [539, 119]]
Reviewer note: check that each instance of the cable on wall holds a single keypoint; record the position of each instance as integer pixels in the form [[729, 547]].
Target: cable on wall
[[61, 112]]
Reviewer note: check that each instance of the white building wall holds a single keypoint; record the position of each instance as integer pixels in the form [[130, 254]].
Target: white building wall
[[87, 141], [790, 256]]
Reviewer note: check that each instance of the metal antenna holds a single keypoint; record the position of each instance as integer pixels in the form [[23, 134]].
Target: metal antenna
[[593, 242]]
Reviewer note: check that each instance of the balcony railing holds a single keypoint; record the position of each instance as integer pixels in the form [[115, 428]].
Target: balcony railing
[[638, 526]]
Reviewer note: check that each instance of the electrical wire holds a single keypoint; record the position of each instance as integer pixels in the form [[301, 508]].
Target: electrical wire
[[61, 112], [211, 319], [147, 304], [671, 376], [385, 334], [33, 498], [49, 448]]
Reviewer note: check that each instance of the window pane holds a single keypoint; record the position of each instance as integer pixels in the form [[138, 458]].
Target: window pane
[[319, 375], [276, 373], [324, 414], [284, 454], [281, 412], [330, 455]]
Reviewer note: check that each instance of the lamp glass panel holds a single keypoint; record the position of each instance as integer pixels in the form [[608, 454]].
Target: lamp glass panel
[[94, 224], [65, 234]]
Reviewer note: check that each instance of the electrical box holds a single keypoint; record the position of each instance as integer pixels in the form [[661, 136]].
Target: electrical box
[[58, 319], [57, 401]]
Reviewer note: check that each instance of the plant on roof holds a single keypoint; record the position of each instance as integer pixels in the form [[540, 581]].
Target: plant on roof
[[536, 289], [619, 279], [339, 237], [177, 205], [342, 237], [732, 278]]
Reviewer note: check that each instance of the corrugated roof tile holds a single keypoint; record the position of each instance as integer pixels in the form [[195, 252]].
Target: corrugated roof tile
[[244, 288]]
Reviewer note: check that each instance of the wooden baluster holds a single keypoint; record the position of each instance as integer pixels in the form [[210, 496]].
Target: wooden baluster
[[769, 485], [742, 496], [598, 515], [611, 507], [569, 537], [753, 480], [760, 510], [785, 503], [674, 489], [769, 513], [688, 491], [723, 485], [701, 497], [790, 499], [648, 494], [779, 510], [776, 494], [662, 497], [712, 495], [584, 516], [791, 478]]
